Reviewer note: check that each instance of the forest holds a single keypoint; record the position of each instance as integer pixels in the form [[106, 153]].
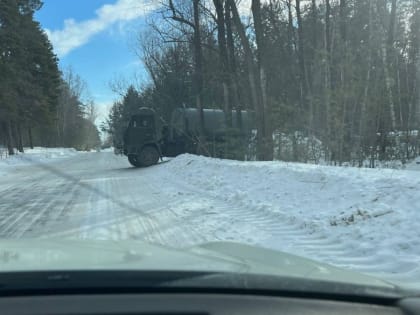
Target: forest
[[40, 105], [332, 80]]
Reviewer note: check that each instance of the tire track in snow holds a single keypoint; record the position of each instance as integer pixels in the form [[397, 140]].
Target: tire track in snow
[[288, 235], [128, 203], [100, 215], [24, 207]]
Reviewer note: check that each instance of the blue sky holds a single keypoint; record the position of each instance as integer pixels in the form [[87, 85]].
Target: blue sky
[[95, 38]]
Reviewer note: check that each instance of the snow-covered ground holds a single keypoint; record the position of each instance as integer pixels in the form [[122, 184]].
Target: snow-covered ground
[[363, 219], [366, 219], [413, 165], [32, 156]]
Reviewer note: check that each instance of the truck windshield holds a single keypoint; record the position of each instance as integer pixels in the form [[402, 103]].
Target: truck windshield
[[142, 122]]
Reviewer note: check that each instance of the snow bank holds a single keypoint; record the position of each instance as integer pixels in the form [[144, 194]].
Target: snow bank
[[33, 156], [414, 165], [110, 149], [370, 212]]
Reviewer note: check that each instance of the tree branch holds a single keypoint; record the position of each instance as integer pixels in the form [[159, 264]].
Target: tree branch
[[177, 16]]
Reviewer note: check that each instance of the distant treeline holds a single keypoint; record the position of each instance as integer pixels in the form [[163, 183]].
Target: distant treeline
[[39, 105], [340, 74]]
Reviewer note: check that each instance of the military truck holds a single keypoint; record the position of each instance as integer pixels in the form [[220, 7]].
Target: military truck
[[141, 139], [147, 139]]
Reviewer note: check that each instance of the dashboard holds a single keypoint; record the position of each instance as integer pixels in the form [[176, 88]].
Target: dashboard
[[192, 304], [103, 292]]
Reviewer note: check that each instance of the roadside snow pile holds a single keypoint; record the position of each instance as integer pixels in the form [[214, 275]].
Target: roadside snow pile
[[413, 165], [110, 149], [34, 156], [368, 211]]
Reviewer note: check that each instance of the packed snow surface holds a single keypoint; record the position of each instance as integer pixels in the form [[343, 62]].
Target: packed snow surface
[[32, 156], [363, 219]]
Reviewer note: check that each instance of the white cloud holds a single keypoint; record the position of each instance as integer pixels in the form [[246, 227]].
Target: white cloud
[[103, 109], [75, 34]]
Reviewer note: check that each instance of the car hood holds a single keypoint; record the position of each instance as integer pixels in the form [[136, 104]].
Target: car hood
[[52, 255]]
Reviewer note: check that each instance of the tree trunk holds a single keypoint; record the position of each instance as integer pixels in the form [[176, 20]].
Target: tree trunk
[[223, 56], [413, 77], [343, 20], [343, 81], [401, 121], [291, 48], [314, 47], [31, 143], [14, 135], [416, 110], [261, 53], [327, 73], [7, 128], [417, 106], [19, 138], [198, 56], [290, 27], [364, 105], [306, 97], [389, 86], [387, 60], [252, 77], [314, 30], [233, 75]]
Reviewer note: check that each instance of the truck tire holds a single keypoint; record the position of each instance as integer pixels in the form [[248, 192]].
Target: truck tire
[[148, 156], [133, 159]]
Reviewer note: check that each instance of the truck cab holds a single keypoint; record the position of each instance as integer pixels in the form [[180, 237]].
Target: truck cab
[[141, 139]]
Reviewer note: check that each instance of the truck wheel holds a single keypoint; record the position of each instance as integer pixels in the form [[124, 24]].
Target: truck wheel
[[133, 159], [148, 156]]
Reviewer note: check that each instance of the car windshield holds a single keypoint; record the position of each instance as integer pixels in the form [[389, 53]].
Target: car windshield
[[276, 137]]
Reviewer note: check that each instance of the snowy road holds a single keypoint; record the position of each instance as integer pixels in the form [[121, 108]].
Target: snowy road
[[99, 196], [95, 195]]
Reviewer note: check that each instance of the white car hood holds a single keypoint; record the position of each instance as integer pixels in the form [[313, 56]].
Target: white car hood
[[51, 255]]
